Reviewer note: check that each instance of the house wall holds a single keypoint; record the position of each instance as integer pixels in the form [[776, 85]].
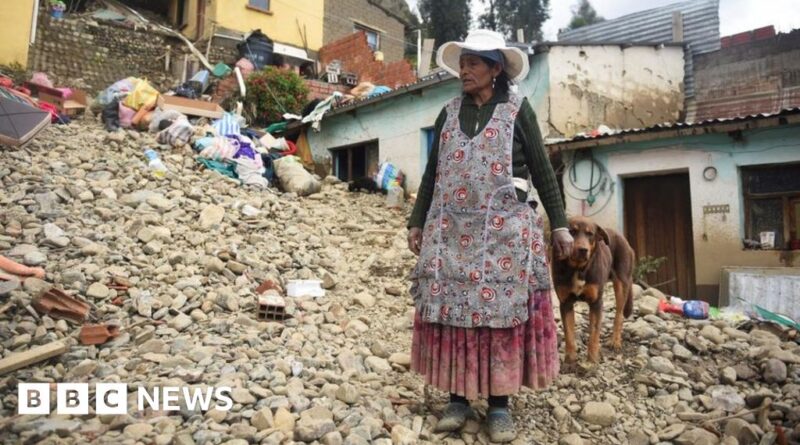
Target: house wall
[[751, 78], [16, 17], [633, 87], [723, 246], [77, 51], [339, 16], [280, 23], [396, 124]]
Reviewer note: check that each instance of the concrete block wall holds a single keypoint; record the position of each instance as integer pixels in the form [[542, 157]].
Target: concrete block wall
[[357, 57], [339, 23], [83, 53]]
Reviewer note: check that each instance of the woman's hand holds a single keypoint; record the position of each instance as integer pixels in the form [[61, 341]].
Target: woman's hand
[[415, 239], [562, 244]]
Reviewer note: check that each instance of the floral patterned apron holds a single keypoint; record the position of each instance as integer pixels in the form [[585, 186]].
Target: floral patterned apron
[[482, 249]]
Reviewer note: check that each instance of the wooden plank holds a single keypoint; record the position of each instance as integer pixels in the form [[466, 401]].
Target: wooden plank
[[40, 353]]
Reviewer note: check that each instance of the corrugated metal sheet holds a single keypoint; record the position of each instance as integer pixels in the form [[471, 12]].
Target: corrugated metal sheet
[[674, 125], [700, 30]]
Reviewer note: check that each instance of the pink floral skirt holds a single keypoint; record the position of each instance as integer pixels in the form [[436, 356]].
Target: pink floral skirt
[[482, 362]]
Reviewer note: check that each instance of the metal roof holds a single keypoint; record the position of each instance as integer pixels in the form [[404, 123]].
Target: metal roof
[[700, 30], [617, 136]]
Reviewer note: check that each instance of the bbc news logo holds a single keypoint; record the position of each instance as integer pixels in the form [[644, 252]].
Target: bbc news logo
[[112, 398]]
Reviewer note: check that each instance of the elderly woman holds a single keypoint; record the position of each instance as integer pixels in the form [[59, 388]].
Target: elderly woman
[[484, 323]]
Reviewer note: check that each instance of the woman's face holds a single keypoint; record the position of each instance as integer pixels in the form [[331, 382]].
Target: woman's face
[[475, 74]]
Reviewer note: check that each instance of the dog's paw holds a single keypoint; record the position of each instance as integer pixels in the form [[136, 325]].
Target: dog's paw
[[569, 367], [615, 346]]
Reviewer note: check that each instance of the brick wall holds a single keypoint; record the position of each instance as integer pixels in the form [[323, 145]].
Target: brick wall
[[356, 57], [83, 53], [318, 89], [749, 78], [338, 23]]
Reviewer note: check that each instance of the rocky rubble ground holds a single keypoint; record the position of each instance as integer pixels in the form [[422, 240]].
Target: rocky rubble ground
[[192, 248]]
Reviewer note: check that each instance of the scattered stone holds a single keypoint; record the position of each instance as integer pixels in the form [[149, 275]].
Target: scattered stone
[[728, 376], [775, 371], [283, 420], [403, 436], [262, 419], [661, 364], [697, 436], [138, 431], [211, 216], [97, 291], [648, 305], [599, 413], [571, 439], [180, 322]]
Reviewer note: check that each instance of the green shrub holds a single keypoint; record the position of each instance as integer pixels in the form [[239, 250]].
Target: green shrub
[[272, 92], [645, 266]]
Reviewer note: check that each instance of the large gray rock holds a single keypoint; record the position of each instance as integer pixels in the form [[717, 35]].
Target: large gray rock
[[774, 371], [211, 217], [697, 436], [599, 413]]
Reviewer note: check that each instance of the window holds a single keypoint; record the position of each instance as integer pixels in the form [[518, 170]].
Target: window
[[373, 37], [356, 161], [261, 5], [772, 203]]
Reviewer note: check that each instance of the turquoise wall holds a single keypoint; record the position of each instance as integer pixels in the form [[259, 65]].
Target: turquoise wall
[[722, 244], [399, 123]]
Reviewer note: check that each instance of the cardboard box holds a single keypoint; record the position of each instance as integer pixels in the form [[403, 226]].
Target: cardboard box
[[190, 107], [73, 106]]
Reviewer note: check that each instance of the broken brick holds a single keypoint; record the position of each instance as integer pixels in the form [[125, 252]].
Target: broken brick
[[271, 306], [58, 304], [97, 334]]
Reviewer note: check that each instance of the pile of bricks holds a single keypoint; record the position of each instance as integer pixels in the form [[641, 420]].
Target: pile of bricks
[[357, 57]]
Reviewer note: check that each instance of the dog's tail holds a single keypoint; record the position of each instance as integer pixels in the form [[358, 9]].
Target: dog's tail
[[628, 309]]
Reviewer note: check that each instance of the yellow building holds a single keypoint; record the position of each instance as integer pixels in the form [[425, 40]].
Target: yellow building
[[17, 17], [293, 22]]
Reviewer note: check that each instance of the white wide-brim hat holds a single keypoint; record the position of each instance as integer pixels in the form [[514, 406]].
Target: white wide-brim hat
[[516, 61]]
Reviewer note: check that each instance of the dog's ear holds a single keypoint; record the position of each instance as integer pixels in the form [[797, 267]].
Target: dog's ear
[[602, 234]]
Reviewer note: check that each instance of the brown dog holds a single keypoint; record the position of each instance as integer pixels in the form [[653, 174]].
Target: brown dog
[[598, 256]]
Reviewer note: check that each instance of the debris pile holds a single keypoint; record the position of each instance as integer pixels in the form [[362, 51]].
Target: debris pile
[[157, 282]]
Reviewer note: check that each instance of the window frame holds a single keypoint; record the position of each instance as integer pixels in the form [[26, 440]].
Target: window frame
[[788, 199], [366, 29], [258, 8]]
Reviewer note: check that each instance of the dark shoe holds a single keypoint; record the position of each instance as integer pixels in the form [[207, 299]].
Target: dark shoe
[[455, 415], [501, 425]]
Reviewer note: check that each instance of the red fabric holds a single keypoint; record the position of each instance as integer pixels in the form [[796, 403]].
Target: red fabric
[[51, 109], [482, 362], [292, 148]]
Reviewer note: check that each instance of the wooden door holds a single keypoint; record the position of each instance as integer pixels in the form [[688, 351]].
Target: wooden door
[[658, 223]]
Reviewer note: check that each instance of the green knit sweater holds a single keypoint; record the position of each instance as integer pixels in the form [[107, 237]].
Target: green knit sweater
[[529, 158]]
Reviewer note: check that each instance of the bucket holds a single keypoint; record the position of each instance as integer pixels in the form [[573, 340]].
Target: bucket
[[56, 13], [258, 49]]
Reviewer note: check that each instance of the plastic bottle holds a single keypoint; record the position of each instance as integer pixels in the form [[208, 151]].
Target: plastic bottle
[[695, 309], [154, 163]]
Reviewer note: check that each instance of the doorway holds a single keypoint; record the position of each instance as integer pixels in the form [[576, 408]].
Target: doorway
[[658, 223]]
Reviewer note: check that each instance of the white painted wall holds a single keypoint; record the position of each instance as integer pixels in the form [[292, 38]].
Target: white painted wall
[[632, 87]]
